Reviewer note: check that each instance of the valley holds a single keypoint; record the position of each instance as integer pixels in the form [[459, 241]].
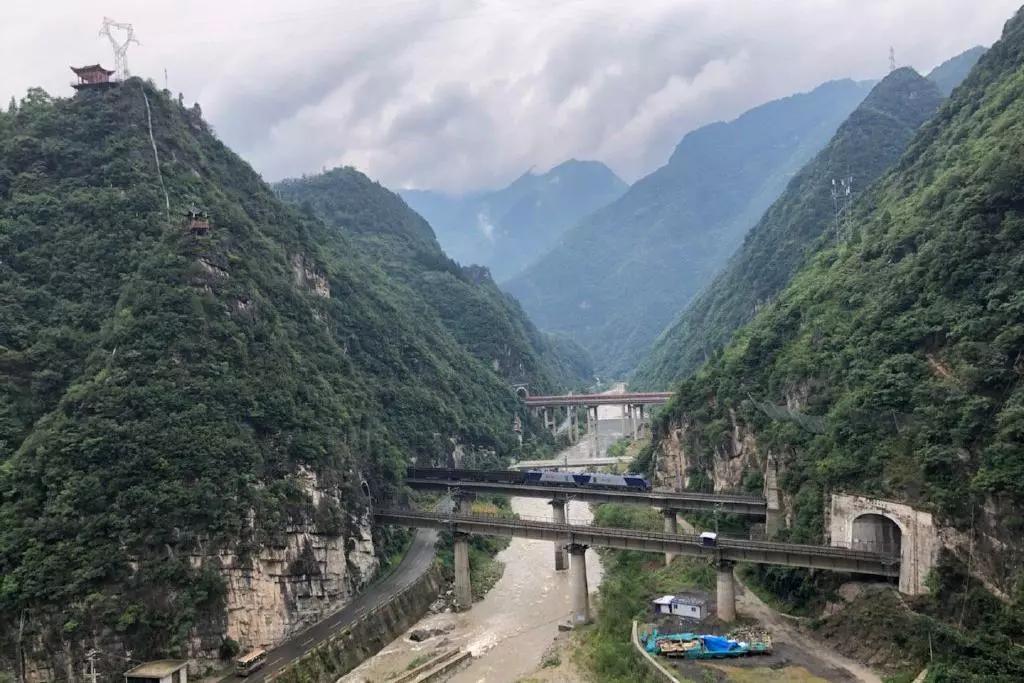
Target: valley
[[313, 383]]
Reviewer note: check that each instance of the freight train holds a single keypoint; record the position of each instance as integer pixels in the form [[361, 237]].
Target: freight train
[[590, 480]]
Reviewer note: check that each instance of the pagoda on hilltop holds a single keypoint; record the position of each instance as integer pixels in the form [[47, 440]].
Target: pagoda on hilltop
[[92, 76]]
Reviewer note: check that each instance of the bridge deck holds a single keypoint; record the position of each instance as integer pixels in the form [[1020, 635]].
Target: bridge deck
[[649, 398], [740, 550], [742, 505]]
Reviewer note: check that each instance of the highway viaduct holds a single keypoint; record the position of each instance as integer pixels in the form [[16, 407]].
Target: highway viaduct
[[724, 553], [633, 406]]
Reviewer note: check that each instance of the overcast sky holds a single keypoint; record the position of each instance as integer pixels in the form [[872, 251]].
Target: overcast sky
[[467, 94]]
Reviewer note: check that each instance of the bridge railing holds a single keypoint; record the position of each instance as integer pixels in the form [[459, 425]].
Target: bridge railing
[[541, 524]]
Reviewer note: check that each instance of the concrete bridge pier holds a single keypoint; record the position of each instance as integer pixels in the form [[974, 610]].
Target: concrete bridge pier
[[774, 517], [463, 588], [726, 599], [578, 584], [671, 527], [574, 425], [558, 513], [592, 426]]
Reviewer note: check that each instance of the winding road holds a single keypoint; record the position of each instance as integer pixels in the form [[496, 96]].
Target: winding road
[[417, 560]]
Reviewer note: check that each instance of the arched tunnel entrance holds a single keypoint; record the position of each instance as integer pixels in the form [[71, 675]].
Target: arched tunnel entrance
[[876, 534]]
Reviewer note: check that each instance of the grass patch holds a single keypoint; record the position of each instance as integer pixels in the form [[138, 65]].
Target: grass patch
[[630, 579]]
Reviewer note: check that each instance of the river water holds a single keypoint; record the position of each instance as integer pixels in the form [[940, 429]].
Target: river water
[[509, 630]]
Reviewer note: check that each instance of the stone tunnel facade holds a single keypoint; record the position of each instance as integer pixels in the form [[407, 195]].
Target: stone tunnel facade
[[862, 523]]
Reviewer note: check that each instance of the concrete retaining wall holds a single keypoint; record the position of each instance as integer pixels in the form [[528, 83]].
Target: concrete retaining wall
[[368, 635]]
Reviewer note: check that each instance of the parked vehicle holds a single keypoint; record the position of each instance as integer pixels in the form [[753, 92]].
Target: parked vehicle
[[700, 646]]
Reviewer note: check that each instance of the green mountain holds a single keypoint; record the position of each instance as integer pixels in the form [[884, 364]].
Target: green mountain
[[953, 71], [189, 422], [486, 321], [891, 366], [618, 278], [865, 146], [508, 229]]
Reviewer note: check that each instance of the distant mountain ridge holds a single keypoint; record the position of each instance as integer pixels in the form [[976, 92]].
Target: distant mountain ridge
[[508, 229], [954, 70], [866, 144], [620, 276]]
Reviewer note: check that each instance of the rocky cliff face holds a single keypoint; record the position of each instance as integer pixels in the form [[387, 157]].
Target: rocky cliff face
[[305, 573]]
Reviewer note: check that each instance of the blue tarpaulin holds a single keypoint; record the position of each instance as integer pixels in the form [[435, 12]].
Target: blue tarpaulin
[[719, 644]]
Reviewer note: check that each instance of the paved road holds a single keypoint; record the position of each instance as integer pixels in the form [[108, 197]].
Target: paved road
[[416, 561]]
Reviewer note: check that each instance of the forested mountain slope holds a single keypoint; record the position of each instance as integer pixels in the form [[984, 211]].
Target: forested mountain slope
[[617, 279], [954, 70], [892, 366], [485, 320], [865, 146], [508, 229], [189, 423]]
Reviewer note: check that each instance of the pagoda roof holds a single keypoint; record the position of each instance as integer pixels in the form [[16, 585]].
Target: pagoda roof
[[91, 67]]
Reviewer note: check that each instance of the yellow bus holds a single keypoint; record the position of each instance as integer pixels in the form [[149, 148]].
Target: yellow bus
[[250, 662]]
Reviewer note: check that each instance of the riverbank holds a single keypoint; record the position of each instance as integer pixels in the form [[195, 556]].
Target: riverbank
[[509, 631]]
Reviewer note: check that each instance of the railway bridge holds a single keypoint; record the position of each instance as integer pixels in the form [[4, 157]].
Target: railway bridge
[[576, 538], [460, 482]]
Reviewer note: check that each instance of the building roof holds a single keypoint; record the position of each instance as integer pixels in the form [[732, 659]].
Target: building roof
[[664, 600], [91, 67], [157, 669]]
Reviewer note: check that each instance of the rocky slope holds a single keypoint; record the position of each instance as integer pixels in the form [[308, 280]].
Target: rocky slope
[[508, 229], [890, 366], [487, 322], [190, 423], [618, 278], [791, 231]]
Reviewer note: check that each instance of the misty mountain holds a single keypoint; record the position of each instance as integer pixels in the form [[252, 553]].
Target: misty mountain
[[953, 71], [508, 229], [865, 146], [619, 277]]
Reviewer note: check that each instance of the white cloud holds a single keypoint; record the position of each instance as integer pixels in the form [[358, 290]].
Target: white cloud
[[461, 94]]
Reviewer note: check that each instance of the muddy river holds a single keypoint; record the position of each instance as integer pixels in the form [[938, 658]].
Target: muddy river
[[509, 630]]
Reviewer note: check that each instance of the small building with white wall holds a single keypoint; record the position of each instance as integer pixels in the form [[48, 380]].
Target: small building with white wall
[[685, 605], [159, 671]]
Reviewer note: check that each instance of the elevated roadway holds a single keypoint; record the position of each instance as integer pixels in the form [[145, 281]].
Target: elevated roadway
[[727, 549], [607, 399], [569, 462], [576, 538]]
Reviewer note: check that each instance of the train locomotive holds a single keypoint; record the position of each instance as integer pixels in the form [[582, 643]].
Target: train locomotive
[[591, 480]]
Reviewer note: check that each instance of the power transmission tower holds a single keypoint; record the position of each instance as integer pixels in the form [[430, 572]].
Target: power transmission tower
[[842, 199], [892, 58], [91, 656], [120, 47]]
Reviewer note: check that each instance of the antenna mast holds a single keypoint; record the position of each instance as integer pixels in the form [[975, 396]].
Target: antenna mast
[[120, 47], [892, 58]]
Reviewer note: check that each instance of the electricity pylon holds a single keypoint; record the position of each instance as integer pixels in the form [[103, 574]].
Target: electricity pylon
[[120, 47]]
